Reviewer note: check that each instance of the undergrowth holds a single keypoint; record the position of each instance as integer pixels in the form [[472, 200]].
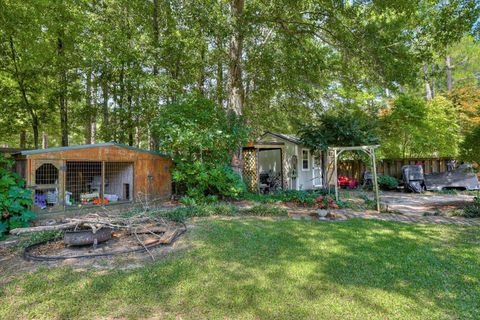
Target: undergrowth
[[219, 209]]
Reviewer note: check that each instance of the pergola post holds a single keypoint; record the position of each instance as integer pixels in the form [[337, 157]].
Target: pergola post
[[375, 184], [335, 173], [370, 151]]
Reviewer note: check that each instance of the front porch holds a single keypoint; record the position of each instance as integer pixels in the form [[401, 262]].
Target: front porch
[[265, 167]]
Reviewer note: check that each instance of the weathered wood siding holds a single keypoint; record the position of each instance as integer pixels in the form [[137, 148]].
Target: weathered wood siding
[[390, 167], [152, 176]]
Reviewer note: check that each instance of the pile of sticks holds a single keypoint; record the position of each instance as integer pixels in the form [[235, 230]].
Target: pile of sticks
[[163, 231]]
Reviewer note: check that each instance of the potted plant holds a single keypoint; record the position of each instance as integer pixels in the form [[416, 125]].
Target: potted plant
[[324, 205]]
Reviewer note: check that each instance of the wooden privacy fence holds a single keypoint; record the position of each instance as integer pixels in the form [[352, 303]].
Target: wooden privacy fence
[[390, 167]]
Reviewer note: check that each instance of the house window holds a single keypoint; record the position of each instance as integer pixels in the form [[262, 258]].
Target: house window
[[305, 159]]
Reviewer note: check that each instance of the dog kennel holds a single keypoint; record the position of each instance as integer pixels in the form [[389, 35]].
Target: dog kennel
[[94, 175]]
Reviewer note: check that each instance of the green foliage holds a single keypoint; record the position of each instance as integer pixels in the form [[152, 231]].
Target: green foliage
[[14, 199], [197, 129], [37, 237], [220, 209], [141, 55], [369, 204], [202, 181], [473, 209], [299, 197], [201, 136], [387, 182], [263, 210], [343, 127], [470, 147], [415, 128]]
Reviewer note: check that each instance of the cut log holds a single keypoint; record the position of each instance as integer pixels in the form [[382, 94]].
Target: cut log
[[63, 226], [148, 229], [168, 236]]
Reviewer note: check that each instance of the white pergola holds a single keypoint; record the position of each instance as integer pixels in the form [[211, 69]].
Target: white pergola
[[370, 151]]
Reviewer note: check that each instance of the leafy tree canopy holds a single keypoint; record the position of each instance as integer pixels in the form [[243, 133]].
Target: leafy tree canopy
[[413, 127], [349, 126]]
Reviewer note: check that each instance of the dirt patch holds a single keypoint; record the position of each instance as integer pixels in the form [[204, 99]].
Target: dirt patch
[[12, 262]]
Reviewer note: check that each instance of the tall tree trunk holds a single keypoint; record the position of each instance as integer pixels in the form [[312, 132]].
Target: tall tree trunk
[[448, 64], [235, 85], [137, 136], [156, 35], [62, 91], [23, 139], [105, 112], [44, 140], [434, 84], [88, 108], [428, 90], [23, 90], [151, 146], [219, 79], [130, 121], [202, 76], [93, 118]]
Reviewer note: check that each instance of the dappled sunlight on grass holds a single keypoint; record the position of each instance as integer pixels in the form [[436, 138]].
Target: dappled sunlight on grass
[[253, 268]]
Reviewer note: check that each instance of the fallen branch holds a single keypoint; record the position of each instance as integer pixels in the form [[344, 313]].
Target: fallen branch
[[168, 236], [144, 246], [63, 226]]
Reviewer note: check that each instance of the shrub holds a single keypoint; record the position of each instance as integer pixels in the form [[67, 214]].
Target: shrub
[[202, 137], [300, 197], [472, 210], [387, 182], [204, 182], [14, 199], [219, 209], [263, 210], [326, 202]]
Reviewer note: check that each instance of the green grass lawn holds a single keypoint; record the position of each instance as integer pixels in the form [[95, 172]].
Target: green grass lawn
[[263, 269]]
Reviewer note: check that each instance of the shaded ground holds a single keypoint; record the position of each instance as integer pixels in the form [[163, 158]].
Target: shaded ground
[[418, 204], [264, 269], [12, 261]]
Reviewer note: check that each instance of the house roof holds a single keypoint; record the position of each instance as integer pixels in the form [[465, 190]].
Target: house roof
[[88, 146], [289, 137]]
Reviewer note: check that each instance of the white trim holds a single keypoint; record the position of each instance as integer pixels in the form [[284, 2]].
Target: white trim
[[308, 160]]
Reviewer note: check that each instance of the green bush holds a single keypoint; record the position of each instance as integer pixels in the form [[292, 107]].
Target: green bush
[[263, 210], [204, 183], [387, 182], [300, 197], [202, 137], [472, 210], [219, 209], [14, 199]]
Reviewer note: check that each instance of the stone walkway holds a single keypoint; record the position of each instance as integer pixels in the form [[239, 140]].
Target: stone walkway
[[412, 219], [303, 213], [418, 204]]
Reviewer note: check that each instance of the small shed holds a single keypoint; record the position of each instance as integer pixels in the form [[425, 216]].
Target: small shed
[[93, 175], [280, 161]]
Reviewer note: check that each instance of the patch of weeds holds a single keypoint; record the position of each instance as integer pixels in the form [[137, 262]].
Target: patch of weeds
[[299, 197], [37, 237], [262, 210], [455, 213], [263, 198], [473, 209], [220, 209], [369, 204], [435, 213]]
